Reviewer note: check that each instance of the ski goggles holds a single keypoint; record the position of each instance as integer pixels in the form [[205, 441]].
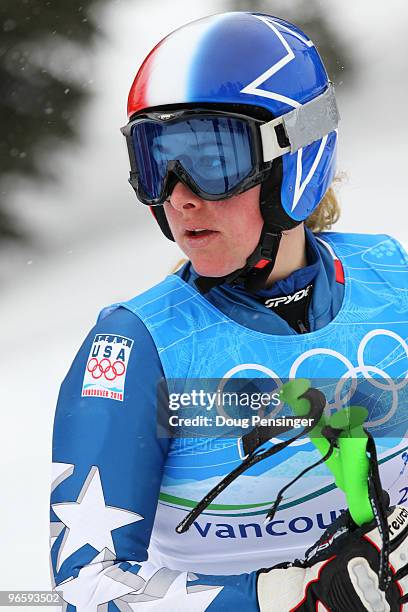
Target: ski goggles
[[216, 154]]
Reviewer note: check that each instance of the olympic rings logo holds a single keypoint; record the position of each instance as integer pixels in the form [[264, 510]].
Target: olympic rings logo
[[343, 399], [105, 368]]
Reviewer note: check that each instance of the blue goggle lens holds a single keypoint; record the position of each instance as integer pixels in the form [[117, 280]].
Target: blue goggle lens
[[216, 152]]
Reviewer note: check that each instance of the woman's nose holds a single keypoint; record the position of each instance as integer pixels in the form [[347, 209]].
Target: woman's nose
[[182, 198]]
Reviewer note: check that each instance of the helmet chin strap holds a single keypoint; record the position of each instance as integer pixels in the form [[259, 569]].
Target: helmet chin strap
[[261, 262], [257, 268], [254, 274]]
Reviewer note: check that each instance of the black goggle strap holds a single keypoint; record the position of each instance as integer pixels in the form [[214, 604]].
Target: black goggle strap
[[379, 504], [257, 455]]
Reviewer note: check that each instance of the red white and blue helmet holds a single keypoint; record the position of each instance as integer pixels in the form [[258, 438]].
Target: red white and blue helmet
[[263, 67]]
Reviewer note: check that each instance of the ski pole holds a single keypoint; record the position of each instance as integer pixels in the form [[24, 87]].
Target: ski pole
[[349, 462]]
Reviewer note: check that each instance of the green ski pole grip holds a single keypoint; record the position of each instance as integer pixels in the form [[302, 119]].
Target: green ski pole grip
[[354, 462], [349, 462]]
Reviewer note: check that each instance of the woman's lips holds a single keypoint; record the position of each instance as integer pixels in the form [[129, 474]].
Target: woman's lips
[[199, 239]]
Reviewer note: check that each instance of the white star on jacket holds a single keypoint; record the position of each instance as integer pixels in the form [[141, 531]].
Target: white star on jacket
[[180, 598], [93, 587], [60, 472], [89, 520]]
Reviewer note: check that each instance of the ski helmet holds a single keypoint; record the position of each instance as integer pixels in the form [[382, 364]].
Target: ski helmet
[[252, 80]]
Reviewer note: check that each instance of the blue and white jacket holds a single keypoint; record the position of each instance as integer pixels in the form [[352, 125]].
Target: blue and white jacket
[[119, 490]]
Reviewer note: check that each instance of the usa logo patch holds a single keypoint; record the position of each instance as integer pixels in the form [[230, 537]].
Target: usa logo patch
[[105, 371]]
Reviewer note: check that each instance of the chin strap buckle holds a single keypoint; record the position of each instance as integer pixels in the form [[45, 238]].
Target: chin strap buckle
[[268, 245], [267, 250], [256, 270]]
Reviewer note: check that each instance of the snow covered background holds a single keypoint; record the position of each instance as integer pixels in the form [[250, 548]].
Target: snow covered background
[[96, 245]]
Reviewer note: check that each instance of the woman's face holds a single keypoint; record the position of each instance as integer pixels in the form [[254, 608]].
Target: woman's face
[[232, 229]]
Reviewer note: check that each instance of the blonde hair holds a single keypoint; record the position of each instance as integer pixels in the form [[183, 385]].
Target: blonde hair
[[328, 211], [178, 265]]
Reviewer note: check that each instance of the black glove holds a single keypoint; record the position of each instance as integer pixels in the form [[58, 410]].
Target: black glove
[[340, 572]]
